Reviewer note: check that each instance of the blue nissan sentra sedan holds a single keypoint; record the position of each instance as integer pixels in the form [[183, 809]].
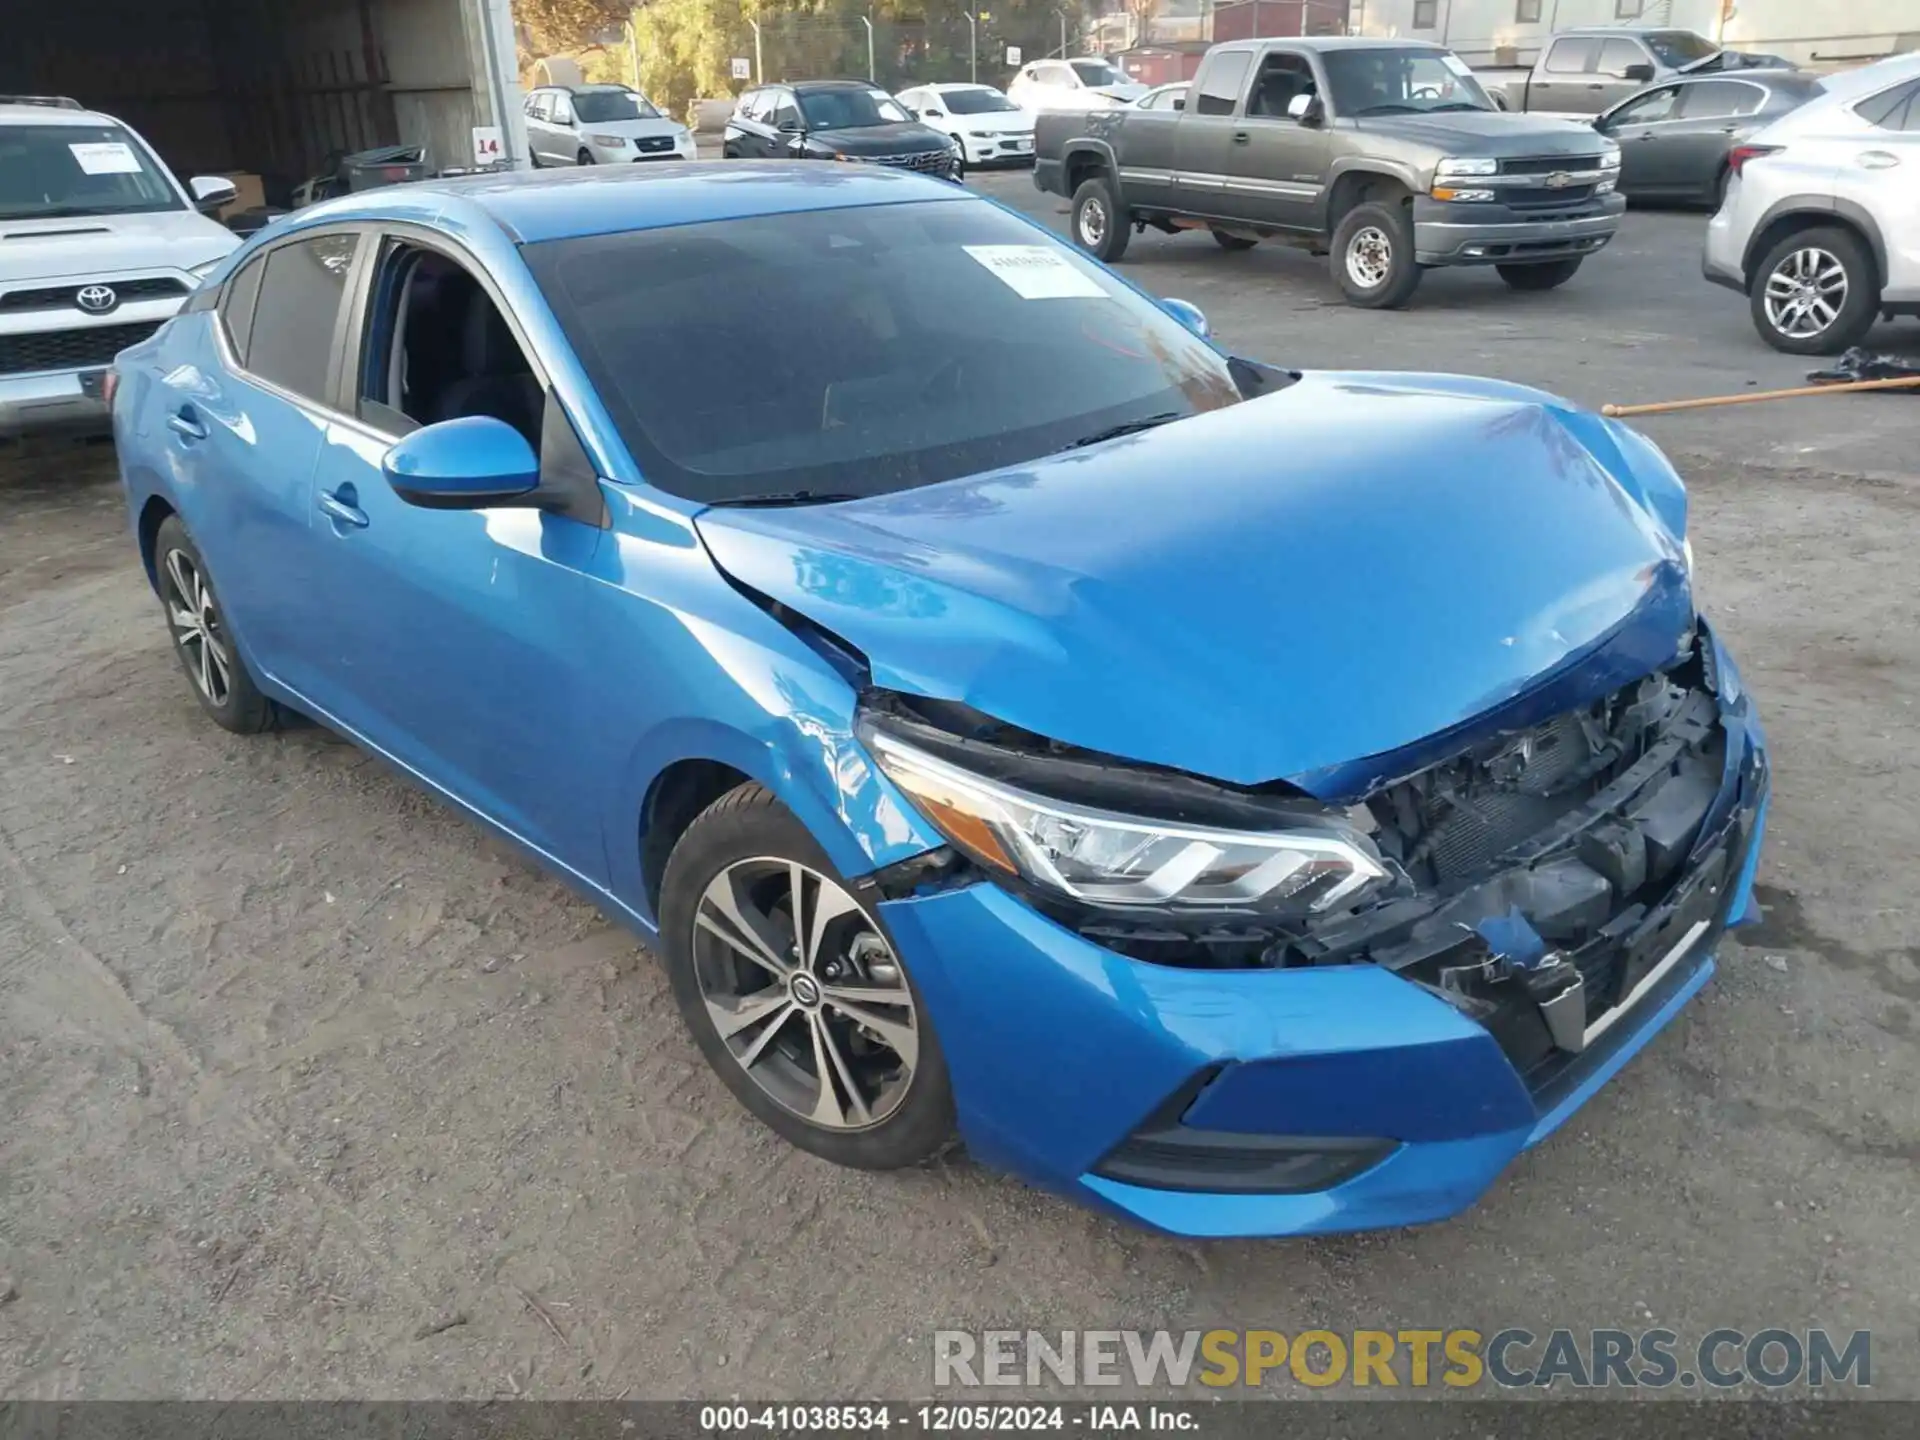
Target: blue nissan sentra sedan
[[1253, 802]]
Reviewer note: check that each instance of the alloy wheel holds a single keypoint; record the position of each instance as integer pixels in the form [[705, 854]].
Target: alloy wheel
[[806, 995], [1806, 292], [195, 622], [1370, 257]]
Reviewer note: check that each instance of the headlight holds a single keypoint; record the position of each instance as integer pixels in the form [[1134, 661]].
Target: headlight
[[1610, 158], [1105, 859], [1467, 165], [612, 142], [1686, 553]]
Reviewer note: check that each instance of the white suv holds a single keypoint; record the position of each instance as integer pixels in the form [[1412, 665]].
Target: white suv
[[99, 245], [1820, 227]]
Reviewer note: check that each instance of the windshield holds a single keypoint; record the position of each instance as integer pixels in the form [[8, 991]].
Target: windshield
[[48, 171], [1097, 73], [850, 109], [1401, 82], [596, 107], [862, 351], [1674, 48], [976, 102]]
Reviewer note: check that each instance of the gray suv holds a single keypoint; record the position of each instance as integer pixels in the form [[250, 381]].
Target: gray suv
[[1386, 154]]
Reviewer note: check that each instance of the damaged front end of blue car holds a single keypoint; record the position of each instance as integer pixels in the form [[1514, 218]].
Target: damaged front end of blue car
[[1320, 836]]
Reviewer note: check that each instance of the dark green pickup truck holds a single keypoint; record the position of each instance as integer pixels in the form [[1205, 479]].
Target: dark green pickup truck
[[1386, 154]]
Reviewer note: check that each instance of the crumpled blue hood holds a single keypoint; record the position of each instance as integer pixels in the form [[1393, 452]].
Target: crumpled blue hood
[[1279, 588]]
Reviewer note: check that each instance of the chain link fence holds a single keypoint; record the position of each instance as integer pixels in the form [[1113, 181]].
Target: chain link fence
[[896, 54]]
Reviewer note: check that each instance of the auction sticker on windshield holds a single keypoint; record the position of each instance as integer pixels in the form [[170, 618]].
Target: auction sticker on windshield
[[106, 157], [1035, 272]]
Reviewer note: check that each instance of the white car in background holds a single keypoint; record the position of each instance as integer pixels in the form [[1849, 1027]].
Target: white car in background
[[988, 127], [1820, 227], [1086, 83], [601, 125], [99, 246]]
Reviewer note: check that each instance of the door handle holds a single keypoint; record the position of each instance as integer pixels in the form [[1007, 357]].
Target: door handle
[[1878, 160], [184, 423], [340, 506], [1241, 137], [1596, 86]]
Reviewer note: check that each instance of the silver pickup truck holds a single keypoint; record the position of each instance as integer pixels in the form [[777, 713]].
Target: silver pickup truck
[[1588, 71], [1385, 154]]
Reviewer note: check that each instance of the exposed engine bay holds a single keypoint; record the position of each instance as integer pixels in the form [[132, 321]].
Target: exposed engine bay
[[1534, 878]]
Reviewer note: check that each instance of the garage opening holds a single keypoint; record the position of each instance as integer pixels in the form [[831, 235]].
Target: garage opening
[[272, 88]]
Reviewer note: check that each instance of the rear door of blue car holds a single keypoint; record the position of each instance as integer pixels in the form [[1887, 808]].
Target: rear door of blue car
[[241, 403]]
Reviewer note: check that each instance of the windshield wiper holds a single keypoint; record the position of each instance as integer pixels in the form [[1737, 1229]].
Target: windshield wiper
[[1391, 107], [1125, 427], [784, 497], [1458, 105]]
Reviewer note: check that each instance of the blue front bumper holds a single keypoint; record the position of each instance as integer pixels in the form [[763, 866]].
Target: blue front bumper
[[1060, 1049]]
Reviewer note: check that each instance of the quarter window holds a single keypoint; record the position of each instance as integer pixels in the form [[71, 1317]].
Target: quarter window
[[1894, 109], [291, 340], [1220, 86], [236, 306]]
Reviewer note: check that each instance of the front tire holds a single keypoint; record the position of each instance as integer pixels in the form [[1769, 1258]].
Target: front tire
[[1815, 293], [1550, 275], [201, 638], [585, 157], [792, 989], [1372, 256], [1099, 226]]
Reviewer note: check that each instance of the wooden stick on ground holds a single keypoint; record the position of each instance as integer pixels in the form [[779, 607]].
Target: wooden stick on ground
[[1910, 382]]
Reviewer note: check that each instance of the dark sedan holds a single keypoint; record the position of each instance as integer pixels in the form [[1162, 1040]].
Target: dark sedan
[[836, 120], [1675, 138]]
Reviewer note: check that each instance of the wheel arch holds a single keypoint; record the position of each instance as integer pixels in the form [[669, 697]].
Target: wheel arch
[[1083, 159], [1356, 184], [1788, 217], [153, 515]]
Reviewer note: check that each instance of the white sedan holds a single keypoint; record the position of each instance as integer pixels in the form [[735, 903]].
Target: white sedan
[[988, 127]]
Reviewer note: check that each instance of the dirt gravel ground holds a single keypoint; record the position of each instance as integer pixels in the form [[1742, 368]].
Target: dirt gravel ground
[[307, 1089]]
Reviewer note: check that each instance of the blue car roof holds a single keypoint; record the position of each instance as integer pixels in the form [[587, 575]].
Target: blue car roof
[[532, 206]]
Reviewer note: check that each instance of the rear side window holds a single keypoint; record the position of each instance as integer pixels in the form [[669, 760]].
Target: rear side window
[[294, 318], [1573, 56], [236, 306], [1220, 86], [1711, 99], [1894, 109]]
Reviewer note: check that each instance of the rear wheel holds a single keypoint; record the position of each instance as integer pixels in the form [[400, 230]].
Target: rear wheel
[[1815, 292], [201, 639], [794, 994], [1548, 276], [1372, 256], [1100, 227], [1232, 242]]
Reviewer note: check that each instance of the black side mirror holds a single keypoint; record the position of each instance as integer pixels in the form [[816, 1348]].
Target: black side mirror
[[1641, 74], [1180, 103], [930, 114]]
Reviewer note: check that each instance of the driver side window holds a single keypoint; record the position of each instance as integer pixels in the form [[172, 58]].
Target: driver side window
[[1654, 106], [562, 110], [436, 347], [1282, 78]]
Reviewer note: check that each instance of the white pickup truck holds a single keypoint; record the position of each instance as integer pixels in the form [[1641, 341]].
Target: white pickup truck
[[99, 245]]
